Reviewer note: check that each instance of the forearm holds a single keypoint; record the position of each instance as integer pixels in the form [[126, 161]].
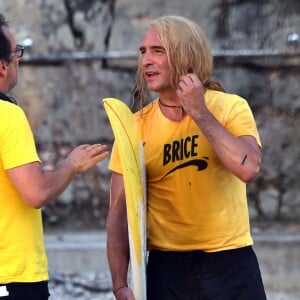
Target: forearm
[[37, 186], [240, 155], [117, 251], [53, 183], [82, 158]]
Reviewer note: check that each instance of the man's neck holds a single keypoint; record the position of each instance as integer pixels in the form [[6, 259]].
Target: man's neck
[[6, 98]]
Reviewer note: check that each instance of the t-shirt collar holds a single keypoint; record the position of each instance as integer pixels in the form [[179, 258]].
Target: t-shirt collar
[[6, 98]]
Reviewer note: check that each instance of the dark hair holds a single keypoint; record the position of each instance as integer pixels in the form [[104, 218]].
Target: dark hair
[[5, 47]]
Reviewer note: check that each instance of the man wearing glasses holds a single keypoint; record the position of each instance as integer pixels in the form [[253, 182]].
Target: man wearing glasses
[[25, 187]]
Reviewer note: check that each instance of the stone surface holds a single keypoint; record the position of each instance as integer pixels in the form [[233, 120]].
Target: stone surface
[[64, 77]]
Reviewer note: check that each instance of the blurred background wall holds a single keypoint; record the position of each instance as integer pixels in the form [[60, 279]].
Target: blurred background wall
[[79, 52]]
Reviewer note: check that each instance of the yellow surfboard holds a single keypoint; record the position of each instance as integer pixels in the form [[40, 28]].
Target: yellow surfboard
[[131, 153]]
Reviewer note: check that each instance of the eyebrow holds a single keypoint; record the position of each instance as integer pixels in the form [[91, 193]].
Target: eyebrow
[[152, 47]]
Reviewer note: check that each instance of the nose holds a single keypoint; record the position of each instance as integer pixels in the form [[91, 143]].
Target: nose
[[147, 59]]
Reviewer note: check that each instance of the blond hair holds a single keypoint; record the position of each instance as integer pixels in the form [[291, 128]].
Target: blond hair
[[187, 49]]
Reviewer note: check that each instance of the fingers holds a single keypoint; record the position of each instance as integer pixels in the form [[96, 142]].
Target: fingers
[[88, 146], [83, 146], [87, 151], [98, 152], [189, 83], [188, 79], [92, 149], [86, 156], [96, 149]]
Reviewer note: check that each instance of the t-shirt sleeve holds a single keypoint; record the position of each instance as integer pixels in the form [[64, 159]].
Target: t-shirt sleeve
[[17, 141], [241, 120], [114, 162]]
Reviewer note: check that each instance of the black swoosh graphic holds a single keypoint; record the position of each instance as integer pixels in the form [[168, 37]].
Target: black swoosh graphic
[[199, 163]]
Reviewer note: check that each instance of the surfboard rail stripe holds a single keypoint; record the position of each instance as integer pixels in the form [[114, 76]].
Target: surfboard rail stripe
[[129, 143], [108, 103], [132, 206]]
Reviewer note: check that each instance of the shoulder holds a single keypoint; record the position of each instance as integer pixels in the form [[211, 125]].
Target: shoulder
[[147, 111], [12, 116], [221, 97], [224, 102], [10, 108]]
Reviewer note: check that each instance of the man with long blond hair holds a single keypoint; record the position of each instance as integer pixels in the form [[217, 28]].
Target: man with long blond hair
[[201, 148]]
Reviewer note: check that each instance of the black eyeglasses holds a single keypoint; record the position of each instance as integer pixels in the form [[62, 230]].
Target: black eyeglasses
[[19, 51]]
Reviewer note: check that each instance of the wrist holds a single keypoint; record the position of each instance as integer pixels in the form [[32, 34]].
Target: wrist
[[69, 166], [116, 290]]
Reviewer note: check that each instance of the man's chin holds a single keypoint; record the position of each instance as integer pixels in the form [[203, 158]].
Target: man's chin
[[153, 88]]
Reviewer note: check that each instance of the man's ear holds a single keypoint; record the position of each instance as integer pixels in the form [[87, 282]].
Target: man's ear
[[4, 64], [3, 67]]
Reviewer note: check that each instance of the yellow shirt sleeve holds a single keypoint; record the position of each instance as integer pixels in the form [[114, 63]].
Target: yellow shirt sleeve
[[17, 141], [114, 163]]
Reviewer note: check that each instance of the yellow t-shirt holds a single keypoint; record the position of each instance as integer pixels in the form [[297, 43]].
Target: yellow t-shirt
[[193, 202], [22, 253]]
